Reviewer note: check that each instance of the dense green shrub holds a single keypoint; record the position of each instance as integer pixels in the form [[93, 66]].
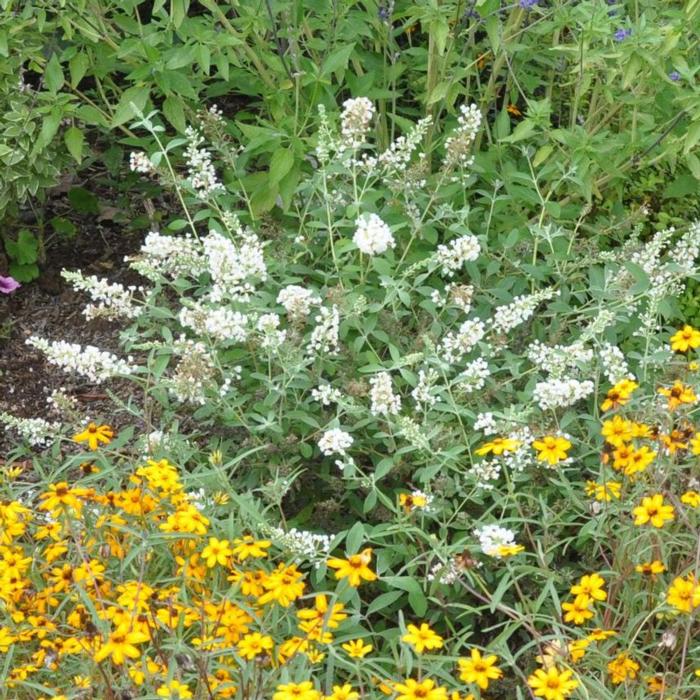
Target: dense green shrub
[[378, 371]]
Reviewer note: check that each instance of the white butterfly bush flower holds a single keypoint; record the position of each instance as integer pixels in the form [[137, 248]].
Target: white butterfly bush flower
[[372, 235], [384, 401], [453, 256], [88, 361], [335, 442]]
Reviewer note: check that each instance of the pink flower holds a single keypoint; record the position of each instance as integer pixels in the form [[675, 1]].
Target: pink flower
[[8, 284]]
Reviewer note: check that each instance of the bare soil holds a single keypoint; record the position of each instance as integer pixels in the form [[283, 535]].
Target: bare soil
[[49, 307]]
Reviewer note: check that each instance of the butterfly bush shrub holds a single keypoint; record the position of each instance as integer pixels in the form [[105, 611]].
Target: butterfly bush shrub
[[489, 446]]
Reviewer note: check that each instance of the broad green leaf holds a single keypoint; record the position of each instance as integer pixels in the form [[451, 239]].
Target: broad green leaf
[[136, 96], [77, 66], [178, 11], [49, 127], [24, 273], [24, 250], [383, 601], [53, 74], [493, 29], [692, 137], [74, 140], [355, 538], [693, 163], [543, 152], [174, 112], [280, 164], [522, 131], [438, 92], [337, 61]]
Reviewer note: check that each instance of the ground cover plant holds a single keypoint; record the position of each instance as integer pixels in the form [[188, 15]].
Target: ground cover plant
[[404, 403]]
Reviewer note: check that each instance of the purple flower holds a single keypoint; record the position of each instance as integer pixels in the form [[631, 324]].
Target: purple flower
[[622, 34], [8, 284], [527, 4], [674, 75]]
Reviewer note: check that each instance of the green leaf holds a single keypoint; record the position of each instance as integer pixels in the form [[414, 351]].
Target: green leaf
[[178, 11], [53, 74], [83, 200], [416, 597], [355, 538], [439, 30], [173, 81], [337, 61], [49, 127], [77, 67], [641, 278], [383, 601], [159, 365], [542, 154], [132, 97], [263, 199], [174, 112], [280, 164], [692, 136], [438, 92], [632, 68], [502, 125], [524, 130], [493, 29], [25, 250], [63, 227], [24, 273], [693, 163], [74, 140]]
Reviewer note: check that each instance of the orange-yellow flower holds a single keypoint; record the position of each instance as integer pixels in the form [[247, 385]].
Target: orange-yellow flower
[[650, 568], [217, 552], [653, 510], [94, 435], [639, 460], [617, 430], [343, 692], [621, 668], [552, 684], [248, 546], [297, 691], [552, 449], [422, 638], [174, 690], [684, 593], [479, 669], [254, 644], [619, 394], [420, 690], [121, 645], [607, 491], [498, 446], [355, 568], [590, 585], [691, 498], [357, 649], [687, 338], [579, 610], [678, 394]]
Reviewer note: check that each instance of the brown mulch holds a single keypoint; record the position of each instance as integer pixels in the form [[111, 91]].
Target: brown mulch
[[48, 307]]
